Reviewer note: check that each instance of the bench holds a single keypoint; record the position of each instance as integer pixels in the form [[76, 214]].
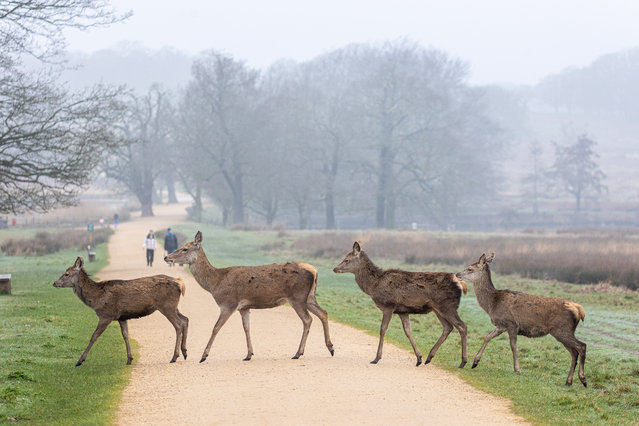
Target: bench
[[91, 254], [5, 283]]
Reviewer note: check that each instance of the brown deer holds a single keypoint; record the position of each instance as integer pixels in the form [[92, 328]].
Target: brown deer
[[122, 300], [403, 293], [526, 315], [242, 288]]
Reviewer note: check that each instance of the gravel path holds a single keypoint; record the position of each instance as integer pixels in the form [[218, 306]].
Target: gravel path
[[272, 388]]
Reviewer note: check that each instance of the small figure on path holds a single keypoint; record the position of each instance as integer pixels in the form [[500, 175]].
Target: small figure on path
[[170, 243], [150, 244], [116, 219]]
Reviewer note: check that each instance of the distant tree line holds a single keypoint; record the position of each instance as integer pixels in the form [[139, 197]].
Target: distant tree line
[[392, 130], [366, 135]]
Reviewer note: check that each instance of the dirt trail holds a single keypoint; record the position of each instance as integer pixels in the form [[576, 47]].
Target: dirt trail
[[272, 388]]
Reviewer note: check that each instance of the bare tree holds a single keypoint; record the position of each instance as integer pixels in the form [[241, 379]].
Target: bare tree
[[533, 180], [226, 89], [576, 170], [50, 139], [138, 163]]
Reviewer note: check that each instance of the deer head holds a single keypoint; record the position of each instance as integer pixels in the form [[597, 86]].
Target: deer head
[[187, 253], [477, 269], [351, 261], [71, 276]]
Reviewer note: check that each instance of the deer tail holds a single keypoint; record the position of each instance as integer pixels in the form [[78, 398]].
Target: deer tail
[[181, 285], [460, 283], [313, 271], [576, 309]]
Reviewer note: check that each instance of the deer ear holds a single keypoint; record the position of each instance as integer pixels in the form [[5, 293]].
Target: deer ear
[[482, 259], [356, 248], [79, 262], [198, 238], [490, 257]]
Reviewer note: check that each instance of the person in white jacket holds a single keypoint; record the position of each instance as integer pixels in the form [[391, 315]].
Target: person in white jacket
[[150, 244]]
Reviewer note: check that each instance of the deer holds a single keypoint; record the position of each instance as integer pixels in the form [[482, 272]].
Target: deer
[[526, 315], [242, 288], [403, 293], [122, 300]]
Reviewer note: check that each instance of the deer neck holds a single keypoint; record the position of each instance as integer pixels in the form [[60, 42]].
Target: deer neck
[[87, 290], [485, 291], [203, 272], [367, 275]]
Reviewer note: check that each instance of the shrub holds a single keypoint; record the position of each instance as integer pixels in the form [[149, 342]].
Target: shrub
[[46, 242], [580, 258]]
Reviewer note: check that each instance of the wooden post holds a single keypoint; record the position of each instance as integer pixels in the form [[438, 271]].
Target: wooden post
[[5, 283]]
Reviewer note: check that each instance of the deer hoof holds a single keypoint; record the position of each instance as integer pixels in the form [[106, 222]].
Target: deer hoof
[[374, 361], [463, 363], [428, 360], [248, 357], [296, 356], [203, 359], [475, 363], [332, 351], [79, 363]]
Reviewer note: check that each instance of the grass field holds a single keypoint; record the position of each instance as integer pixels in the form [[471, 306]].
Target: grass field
[[538, 392], [43, 331]]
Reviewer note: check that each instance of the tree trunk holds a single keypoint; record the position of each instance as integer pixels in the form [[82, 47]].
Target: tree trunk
[[170, 187], [383, 181], [329, 201], [302, 212]]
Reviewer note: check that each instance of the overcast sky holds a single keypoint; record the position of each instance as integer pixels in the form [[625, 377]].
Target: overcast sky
[[504, 41]]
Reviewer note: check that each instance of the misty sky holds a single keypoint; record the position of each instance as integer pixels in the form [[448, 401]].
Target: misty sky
[[504, 41]]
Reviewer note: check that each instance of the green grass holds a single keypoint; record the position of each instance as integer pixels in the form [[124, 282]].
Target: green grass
[[43, 331], [538, 392]]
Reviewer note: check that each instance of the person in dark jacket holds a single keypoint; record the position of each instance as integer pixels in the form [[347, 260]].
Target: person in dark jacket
[[170, 243]]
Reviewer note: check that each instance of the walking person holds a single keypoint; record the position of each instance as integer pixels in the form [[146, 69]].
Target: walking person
[[150, 244], [170, 243]]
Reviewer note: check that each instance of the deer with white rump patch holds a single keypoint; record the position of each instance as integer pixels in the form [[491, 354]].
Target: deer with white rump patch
[[526, 315], [242, 288], [122, 300], [403, 293]]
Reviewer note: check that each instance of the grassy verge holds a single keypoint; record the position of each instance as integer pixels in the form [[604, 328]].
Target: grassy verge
[[538, 393], [43, 331]]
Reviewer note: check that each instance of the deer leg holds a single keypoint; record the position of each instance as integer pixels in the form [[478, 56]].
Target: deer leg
[[246, 313], [577, 350], [185, 330], [454, 319], [178, 324], [225, 313], [446, 329], [582, 362], [320, 313], [386, 317], [496, 332], [124, 327], [406, 324], [512, 334], [302, 312], [102, 325]]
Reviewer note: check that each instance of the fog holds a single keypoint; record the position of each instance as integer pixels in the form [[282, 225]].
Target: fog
[[505, 42], [458, 116]]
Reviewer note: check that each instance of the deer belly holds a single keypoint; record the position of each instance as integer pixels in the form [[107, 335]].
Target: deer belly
[[532, 331], [132, 314], [403, 309], [266, 303]]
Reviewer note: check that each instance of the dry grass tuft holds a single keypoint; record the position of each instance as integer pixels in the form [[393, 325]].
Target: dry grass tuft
[[581, 258], [46, 242]]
